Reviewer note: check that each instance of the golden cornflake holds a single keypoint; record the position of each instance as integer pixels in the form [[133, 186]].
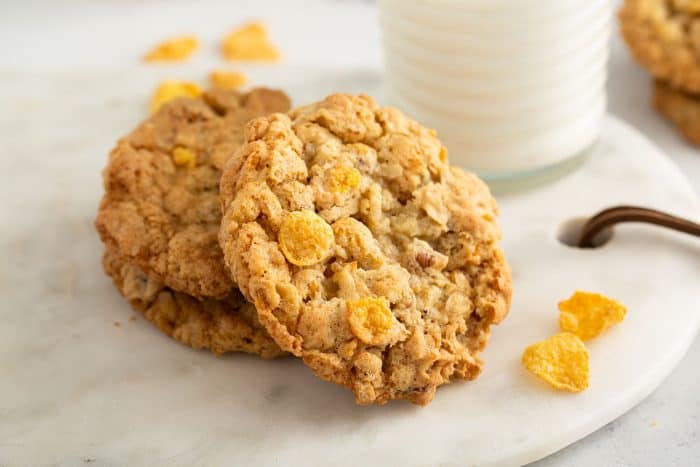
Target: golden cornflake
[[561, 360], [342, 179], [305, 238], [249, 42], [369, 319], [227, 79], [174, 49], [172, 89], [588, 314], [184, 157]]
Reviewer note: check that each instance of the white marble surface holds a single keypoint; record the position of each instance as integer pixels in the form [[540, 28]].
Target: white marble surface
[[665, 428], [661, 431]]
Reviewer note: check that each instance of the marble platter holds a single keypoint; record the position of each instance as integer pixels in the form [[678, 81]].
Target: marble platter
[[76, 388]]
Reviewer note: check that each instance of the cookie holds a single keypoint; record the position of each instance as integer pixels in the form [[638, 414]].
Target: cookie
[[221, 326], [664, 37], [160, 210], [363, 250], [682, 109]]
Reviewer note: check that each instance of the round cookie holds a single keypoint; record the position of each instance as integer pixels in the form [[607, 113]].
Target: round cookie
[[363, 250], [680, 108], [160, 210], [221, 326], [664, 37]]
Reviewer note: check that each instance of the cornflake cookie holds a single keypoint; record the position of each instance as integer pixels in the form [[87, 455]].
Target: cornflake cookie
[[664, 36], [682, 109], [160, 210], [363, 250], [221, 326]]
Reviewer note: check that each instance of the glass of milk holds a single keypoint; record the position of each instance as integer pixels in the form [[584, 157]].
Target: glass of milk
[[515, 88]]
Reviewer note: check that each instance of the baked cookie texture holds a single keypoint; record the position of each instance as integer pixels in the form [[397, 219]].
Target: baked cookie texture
[[363, 250], [682, 109], [221, 326], [160, 210], [664, 37]]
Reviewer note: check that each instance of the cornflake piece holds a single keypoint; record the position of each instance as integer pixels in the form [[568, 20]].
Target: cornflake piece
[[172, 89], [226, 79], [560, 360], [342, 179], [369, 319], [249, 42], [184, 157], [305, 238], [588, 314], [174, 49]]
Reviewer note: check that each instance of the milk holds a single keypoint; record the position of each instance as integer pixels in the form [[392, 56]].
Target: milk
[[513, 87]]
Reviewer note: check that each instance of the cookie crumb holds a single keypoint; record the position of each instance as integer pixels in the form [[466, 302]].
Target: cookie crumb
[[249, 42], [133, 318], [117, 324], [226, 79], [175, 49]]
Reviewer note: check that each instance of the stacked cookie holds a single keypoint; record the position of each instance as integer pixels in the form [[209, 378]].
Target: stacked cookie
[[159, 219], [345, 238], [664, 37]]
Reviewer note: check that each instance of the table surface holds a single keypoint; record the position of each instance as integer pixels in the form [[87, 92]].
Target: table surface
[[663, 429]]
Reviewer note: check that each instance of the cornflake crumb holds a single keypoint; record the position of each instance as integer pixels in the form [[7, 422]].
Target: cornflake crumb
[[226, 79], [174, 49], [561, 360], [249, 42], [588, 314], [184, 157], [172, 89]]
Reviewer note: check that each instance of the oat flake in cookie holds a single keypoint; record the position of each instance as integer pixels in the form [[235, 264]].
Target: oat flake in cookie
[[363, 250], [221, 326], [160, 211]]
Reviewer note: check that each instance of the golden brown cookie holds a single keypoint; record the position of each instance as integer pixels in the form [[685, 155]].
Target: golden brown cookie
[[227, 325], [664, 37], [681, 108], [160, 210], [363, 250]]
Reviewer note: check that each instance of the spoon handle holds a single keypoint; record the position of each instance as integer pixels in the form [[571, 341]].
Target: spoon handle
[[615, 215]]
